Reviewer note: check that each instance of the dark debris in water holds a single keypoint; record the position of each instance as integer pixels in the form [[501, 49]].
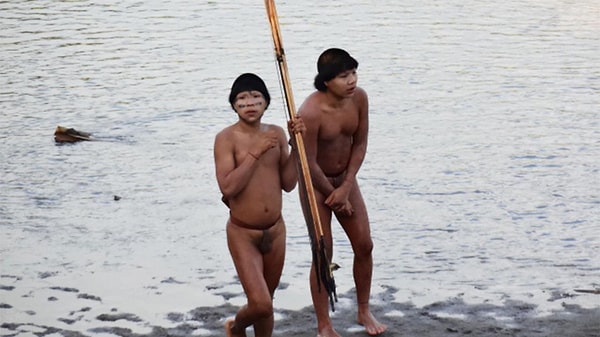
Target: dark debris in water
[[47, 274], [16, 278], [70, 321], [171, 280], [558, 295], [117, 331], [116, 317], [588, 291], [175, 317], [65, 289], [89, 297], [84, 309]]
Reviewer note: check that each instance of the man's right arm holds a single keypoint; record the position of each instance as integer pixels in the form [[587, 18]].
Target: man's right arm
[[310, 137], [231, 179]]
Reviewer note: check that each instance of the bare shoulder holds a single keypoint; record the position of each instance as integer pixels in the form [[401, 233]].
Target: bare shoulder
[[273, 128], [361, 101], [361, 92], [360, 95], [224, 133], [311, 107], [225, 136]]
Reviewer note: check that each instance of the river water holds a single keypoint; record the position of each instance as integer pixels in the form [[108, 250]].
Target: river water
[[481, 178]]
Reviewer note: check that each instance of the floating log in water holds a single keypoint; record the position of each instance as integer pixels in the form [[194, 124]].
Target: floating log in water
[[70, 135]]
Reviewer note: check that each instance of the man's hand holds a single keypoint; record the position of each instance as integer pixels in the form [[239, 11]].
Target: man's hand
[[267, 141], [338, 201], [296, 126]]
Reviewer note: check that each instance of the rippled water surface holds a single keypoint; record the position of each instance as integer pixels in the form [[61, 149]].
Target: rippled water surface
[[481, 176]]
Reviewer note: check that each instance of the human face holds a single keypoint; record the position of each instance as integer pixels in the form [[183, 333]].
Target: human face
[[250, 105], [344, 84]]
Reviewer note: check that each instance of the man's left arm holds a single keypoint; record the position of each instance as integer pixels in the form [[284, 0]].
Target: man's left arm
[[359, 139]]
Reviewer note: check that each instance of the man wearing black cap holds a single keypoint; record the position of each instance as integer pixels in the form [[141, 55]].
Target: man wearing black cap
[[337, 124], [253, 165]]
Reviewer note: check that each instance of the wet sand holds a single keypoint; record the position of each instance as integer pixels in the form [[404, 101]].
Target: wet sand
[[89, 316]]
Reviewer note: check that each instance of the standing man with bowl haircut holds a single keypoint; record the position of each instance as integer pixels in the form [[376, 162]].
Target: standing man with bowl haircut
[[337, 124], [253, 165]]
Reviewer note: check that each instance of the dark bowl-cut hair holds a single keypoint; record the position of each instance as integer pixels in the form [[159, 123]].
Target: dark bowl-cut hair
[[248, 82], [331, 63]]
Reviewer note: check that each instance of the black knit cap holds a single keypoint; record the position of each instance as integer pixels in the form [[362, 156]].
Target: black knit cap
[[248, 82]]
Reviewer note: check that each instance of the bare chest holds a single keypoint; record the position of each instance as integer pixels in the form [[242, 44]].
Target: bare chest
[[269, 158], [338, 123]]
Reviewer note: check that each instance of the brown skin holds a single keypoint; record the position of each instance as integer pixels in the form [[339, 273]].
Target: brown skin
[[337, 125], [253, 165]]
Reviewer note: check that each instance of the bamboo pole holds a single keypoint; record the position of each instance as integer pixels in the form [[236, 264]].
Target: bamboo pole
[[323, 269]]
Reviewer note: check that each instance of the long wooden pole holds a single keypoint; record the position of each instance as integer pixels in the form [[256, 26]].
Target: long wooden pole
[[323, 269], [291, 107]]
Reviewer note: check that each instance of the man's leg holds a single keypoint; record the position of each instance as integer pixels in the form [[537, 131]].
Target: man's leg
[[273, 266], [358, 229], [248, 262]]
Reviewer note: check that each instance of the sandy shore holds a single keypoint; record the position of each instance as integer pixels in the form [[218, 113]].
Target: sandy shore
[[90, 316]]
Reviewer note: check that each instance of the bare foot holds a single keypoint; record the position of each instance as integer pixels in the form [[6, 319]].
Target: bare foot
[[372, 326], [228, 329], [327, 332]]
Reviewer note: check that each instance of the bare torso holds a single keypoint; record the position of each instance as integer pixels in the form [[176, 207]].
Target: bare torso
[[259, 202], [337, 126]]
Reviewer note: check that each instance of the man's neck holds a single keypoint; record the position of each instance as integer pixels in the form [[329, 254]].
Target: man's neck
[[335, 101], [249, 126]]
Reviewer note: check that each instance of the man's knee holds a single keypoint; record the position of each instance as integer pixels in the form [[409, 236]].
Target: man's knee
[[261, 308], [363, 248]]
